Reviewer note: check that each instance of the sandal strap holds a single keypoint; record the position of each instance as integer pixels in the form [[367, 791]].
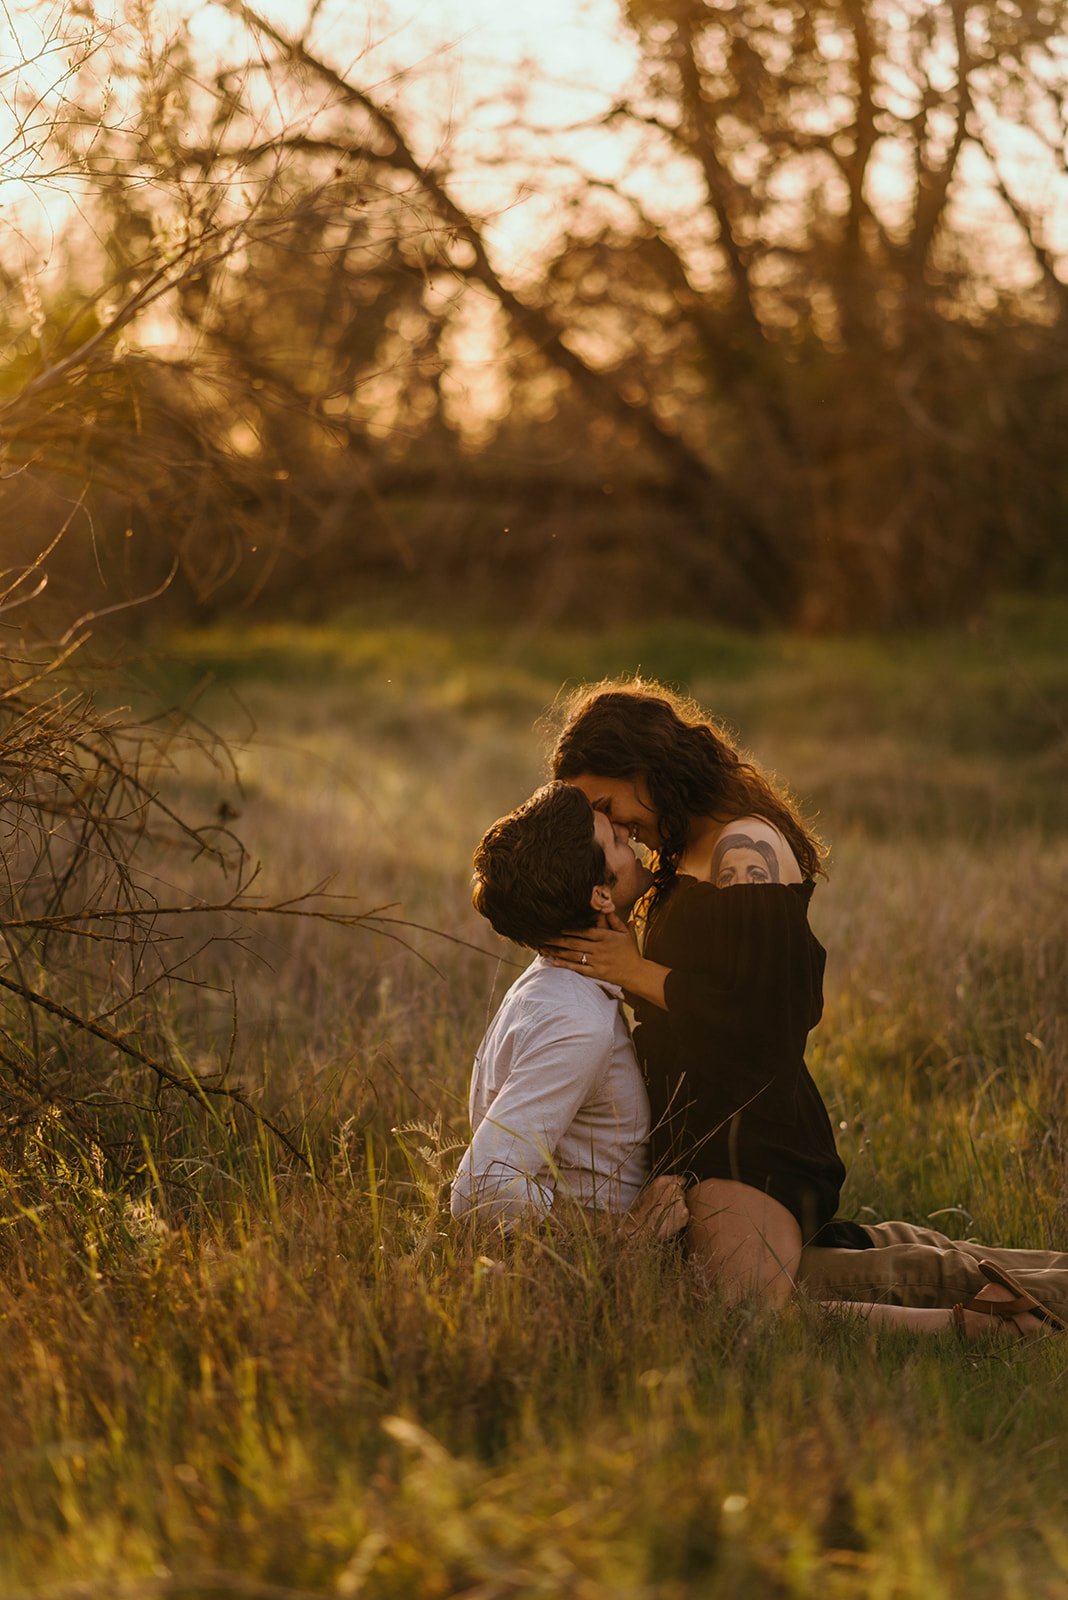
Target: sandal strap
[[1020, 1305], [995, 1274]]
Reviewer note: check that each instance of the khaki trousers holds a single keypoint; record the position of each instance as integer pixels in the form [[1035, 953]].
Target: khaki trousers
[[912, 1266]]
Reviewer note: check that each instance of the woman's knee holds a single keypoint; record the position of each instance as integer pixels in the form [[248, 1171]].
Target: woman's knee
[[746, 1242]]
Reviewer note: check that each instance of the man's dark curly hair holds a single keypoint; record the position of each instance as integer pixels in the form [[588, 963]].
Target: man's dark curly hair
[[536, 868], [688, 765]]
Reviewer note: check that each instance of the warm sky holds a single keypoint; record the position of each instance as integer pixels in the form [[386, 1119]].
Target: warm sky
[[463, 59]]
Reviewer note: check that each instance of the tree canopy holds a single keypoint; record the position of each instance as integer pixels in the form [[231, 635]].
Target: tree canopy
[[817, 375]]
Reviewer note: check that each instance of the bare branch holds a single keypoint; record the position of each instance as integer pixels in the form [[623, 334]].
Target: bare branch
[[718, 184], [700, 479], [1028, 225], [933, 183], [192, 1087]]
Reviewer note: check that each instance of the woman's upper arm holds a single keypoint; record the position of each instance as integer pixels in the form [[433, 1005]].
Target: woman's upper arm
[[732, 954], [750, 850]]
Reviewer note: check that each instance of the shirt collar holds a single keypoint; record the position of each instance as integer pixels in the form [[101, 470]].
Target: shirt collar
[[612, 989]]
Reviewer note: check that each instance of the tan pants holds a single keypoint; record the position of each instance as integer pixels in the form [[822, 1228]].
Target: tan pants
[[912, 1266]]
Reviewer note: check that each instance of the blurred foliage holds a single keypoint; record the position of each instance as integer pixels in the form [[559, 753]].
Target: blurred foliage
[[820, 394]]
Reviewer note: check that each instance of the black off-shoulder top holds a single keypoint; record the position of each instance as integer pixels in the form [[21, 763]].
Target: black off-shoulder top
[[730, 1093]]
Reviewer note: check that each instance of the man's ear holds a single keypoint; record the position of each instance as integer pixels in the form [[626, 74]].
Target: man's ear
[[601, 899]]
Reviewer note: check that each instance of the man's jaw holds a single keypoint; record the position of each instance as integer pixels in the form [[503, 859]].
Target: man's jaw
[[624, 911]]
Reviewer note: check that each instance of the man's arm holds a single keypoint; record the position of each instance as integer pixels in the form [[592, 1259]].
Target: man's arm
[[508, 1171]]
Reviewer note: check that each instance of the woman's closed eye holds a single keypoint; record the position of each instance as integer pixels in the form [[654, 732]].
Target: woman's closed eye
[[621, 830]]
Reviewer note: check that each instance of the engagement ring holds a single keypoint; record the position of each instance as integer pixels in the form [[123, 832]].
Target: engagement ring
[[584, 960]]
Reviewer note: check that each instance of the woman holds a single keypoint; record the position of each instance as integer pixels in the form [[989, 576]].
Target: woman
[[725, 992]]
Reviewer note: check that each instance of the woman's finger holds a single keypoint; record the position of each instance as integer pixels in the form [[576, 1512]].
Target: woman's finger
[[576, 964]]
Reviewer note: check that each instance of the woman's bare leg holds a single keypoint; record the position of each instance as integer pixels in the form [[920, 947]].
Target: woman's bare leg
[[743, 1241], [927, 1319], [749, 1245]]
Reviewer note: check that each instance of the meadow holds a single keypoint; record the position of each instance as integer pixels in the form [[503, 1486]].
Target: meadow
[[231, 1376]]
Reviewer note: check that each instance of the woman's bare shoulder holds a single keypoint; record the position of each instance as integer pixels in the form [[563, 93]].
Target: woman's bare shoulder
[[752, 850]]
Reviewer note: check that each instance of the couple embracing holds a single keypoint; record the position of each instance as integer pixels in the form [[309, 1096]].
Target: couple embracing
[[706, 1118]]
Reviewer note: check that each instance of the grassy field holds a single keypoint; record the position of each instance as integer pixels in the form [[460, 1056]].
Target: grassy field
[[230, 1379]]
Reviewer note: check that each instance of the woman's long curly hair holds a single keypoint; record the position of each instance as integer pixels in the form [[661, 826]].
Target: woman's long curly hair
[[688, 765]]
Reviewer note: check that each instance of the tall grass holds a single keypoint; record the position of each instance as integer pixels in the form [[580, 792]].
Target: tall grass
[[228, 1377]]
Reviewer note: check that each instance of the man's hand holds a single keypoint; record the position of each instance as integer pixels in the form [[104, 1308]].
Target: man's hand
[[660, 1211]]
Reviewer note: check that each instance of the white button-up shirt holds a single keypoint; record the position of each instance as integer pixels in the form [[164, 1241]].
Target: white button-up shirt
[[558, 1104]]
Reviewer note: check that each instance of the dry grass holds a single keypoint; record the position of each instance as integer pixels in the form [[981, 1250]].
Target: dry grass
[[225, 1378]]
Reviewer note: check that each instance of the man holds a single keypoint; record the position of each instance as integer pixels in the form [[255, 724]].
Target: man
[[558, 1105]]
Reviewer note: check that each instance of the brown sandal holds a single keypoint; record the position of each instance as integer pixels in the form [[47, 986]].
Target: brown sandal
[[1022, 1304], [1025, 1302], [1002, 1311]]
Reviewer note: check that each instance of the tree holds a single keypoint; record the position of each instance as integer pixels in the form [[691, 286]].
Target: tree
[[100, 947], [836, 391], [818, 357], [196, 345]]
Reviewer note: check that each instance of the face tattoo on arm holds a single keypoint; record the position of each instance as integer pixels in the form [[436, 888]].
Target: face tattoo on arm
[[739, 859]]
